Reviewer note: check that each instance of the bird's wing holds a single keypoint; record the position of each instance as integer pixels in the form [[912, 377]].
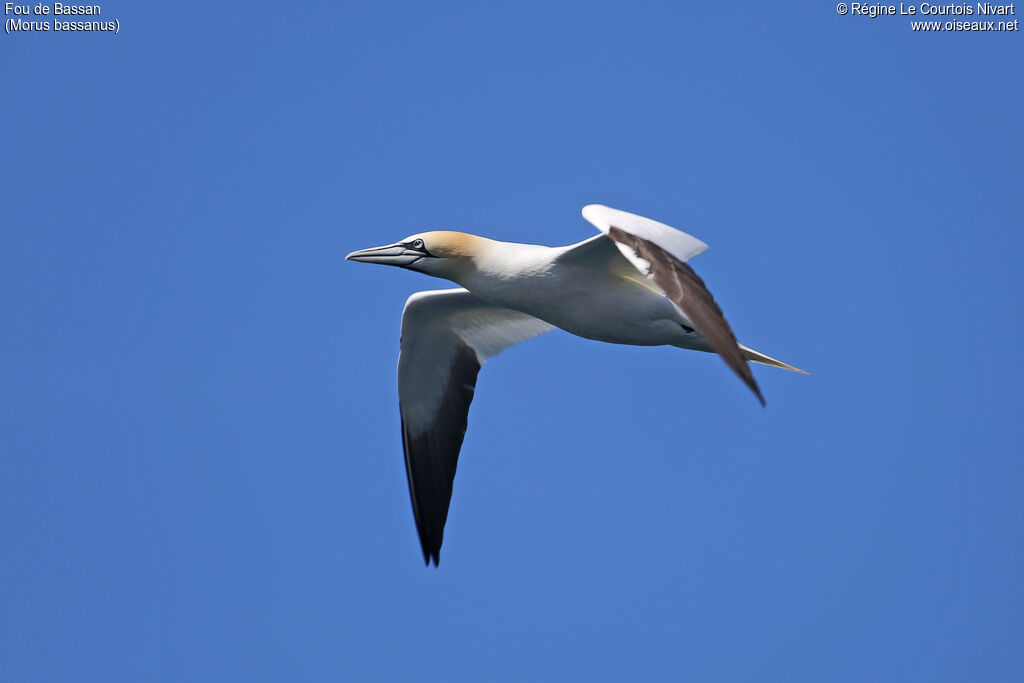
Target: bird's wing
[[660, 252], [676, 242], [447, 335]]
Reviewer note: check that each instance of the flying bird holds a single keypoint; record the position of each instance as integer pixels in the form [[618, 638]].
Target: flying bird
[[629, 285]]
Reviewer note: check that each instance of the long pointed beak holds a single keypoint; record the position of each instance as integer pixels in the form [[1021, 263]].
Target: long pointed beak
[[389, 255]]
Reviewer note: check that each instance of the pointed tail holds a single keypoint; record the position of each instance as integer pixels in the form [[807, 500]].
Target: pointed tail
[[757, 357]]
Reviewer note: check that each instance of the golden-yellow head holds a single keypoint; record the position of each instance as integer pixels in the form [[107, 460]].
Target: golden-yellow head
[[444, 253]]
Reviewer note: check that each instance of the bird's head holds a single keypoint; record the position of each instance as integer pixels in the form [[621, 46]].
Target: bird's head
[[442, 253]]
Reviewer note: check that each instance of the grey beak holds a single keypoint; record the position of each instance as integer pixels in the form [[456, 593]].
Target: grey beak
[[388, 255]]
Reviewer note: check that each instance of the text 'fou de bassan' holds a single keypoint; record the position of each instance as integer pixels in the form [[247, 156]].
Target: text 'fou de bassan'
[[31, 18]]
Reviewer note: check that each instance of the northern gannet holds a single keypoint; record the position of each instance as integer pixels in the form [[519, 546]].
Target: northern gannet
[[629, 285]]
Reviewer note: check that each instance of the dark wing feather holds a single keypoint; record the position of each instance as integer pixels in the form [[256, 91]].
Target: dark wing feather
[[685, 288], [432, 456], [447, 335]]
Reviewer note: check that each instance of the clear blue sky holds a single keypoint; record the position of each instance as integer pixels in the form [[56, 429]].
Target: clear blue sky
[[201, 475]]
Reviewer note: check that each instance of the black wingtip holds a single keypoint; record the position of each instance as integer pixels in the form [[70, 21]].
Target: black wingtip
[[431, 556], [757, 391]]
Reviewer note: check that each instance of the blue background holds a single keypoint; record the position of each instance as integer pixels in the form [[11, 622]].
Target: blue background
[[201, 475]]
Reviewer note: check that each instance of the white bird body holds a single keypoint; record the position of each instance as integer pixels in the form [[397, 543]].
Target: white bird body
[[588, 289], [630, 285]]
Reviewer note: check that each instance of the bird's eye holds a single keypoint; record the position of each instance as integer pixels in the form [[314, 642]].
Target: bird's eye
[[417, 244]]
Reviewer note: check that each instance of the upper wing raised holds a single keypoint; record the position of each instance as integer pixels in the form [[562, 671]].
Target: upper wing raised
[[660, 252], [447, 336], [675, 242]]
